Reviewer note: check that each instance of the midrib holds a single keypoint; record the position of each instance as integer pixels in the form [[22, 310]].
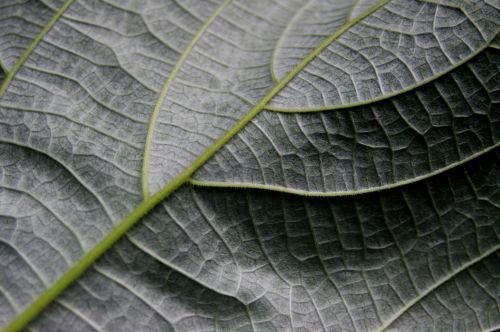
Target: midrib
[[150, 202]]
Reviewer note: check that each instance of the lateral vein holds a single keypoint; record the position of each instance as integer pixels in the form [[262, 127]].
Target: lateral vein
[[27, 52]]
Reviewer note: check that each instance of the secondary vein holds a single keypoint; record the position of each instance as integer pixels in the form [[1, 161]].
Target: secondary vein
[[163, 94], [350, 193], [436, 285], [489, 44]]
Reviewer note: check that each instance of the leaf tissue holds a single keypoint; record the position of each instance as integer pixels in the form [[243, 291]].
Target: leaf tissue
[[235, 165]]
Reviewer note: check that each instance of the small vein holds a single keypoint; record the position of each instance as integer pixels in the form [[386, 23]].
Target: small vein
[[38, 275], [115, 279], [59, 218], [78, 314], [325, 271], [70, 171], [168, 264]]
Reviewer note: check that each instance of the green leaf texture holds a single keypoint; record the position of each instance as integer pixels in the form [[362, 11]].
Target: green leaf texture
[[265, 165]]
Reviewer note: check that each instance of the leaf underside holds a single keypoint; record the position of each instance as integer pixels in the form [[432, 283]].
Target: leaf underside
[[288, 165]]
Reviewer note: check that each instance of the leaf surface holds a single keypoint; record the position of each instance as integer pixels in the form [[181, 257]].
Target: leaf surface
[[121, 106]]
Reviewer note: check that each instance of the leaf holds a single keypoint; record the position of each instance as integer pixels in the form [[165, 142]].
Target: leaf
[[121, 110]]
